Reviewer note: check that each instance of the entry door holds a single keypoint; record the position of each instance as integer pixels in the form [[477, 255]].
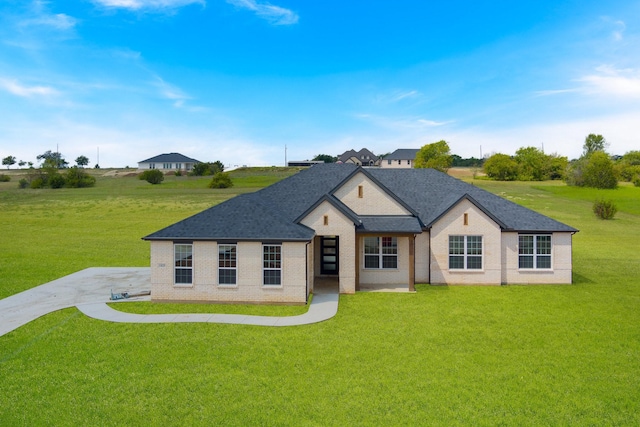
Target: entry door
[[329, 251]]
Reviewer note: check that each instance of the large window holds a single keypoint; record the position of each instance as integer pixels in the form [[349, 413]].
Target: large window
[[271, 265], [534, 251], [465, 252], [227, 264], [183, 262], [380, 252]]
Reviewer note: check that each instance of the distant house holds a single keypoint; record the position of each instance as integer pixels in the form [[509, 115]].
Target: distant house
[[401, 158], [364, 227], [363, 157], [169, 162]]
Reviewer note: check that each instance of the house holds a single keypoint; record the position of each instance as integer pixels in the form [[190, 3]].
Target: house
[[363, 157], [401, 158], [168, 162], [361, 226]]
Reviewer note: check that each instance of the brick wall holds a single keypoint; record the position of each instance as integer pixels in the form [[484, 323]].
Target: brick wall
[[249, 288]]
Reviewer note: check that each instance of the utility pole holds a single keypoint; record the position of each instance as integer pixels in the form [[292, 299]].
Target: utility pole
[[285, 155]]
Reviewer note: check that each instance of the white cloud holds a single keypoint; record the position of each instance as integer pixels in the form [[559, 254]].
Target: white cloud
[[610, 81], [146, 4], [18, 89], [274, 14], [59, 21]]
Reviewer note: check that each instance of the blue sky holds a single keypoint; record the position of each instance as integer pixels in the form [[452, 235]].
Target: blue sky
[[238, 80]]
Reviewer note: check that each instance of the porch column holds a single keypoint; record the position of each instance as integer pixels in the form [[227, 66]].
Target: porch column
[[357, 262], [412, 263]]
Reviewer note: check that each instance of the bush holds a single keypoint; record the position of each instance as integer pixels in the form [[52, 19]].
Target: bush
[[636, 181], [221, 180], [56, 181], [605, 209], [4, 178], [178, 172], [23, 183], [77, 178], [152, 176]]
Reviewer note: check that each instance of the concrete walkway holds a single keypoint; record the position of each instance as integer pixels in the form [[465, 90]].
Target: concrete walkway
[[90, 290]]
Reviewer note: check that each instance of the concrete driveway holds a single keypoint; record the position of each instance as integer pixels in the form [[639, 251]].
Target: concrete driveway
[[92, 285], [90, 290]]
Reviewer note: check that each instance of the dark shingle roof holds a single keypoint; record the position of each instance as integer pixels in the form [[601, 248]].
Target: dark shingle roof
[[274, 212], [402, 154], [170, 158]]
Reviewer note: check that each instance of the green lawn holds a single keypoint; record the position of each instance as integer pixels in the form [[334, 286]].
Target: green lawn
[[510, 355]]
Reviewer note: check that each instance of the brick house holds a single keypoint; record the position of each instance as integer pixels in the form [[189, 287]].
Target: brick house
[[361, 226]]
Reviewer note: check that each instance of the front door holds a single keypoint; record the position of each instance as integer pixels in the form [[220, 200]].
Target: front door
[[329, 253]]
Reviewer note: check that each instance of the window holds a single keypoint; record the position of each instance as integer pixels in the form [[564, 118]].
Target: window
[[360, 191], [178, 165], [380, 252], [227, 264], [152, 165], [388, 162], [166, 166], [183, 262], [534, 251], [465, 252], [326, 220], [466, 219], [271, 265]]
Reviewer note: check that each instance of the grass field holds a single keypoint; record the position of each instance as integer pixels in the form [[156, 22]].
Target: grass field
[[510, 355]]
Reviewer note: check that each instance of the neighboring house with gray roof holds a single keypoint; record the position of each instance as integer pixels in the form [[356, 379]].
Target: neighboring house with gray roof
[[402, 158], [363, 157], [364, 227], [168, 162]]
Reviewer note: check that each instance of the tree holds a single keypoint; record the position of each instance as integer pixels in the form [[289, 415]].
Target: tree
[[152, 176], [629, 166], [9, 161], [533, 164], [53, 159], [436, 156], [593, 143], [599, 172], [325, 158], [21, 163], [82, 161], [557, 166], [501, 167]]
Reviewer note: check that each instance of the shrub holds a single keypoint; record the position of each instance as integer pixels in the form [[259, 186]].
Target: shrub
[[605, 209], [4, 178], [178, 172], [77, 178], [23, 183], [221, 180], [636, 181], [56, 181], [152, 176]]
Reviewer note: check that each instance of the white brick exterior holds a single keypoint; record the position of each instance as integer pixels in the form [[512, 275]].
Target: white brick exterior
[[479, 224], [248, 288], [341, 226], [374, 200], [560, 273]]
